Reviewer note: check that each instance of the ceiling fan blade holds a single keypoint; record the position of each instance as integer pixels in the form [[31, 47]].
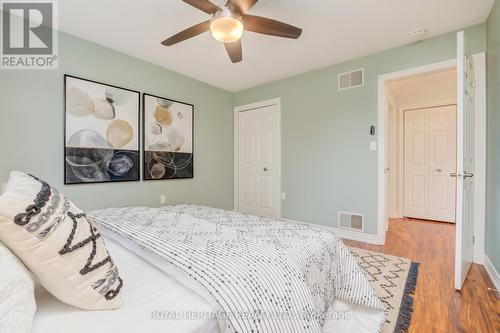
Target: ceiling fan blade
[[240, 6], [271, 27], [195, 30], [203, 5], [234, 50]]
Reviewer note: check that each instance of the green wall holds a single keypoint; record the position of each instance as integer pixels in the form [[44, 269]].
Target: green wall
[[31, 127], [327, 165], [493, 176]]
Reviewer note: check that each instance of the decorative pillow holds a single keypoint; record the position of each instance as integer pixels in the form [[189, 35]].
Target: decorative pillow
[[58, 244], [17, 295]]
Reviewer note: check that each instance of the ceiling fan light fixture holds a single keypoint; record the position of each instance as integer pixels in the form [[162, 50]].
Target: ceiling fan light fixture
[[226, 27], [228, 22]]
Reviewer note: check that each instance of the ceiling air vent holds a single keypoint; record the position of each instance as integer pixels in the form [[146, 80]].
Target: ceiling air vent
[[351, 221], [352, 79]]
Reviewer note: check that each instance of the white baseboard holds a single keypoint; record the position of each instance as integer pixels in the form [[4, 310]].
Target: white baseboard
[[347, 234], [492, 272], [478, 256], [358, 236]]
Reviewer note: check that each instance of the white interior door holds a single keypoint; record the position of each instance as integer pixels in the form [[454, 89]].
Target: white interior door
[[464, 242], [442, 162], [416, 163], [429, 158], [257, 161]]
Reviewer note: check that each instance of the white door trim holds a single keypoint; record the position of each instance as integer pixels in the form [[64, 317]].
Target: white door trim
[[248, 107], [382, 120]]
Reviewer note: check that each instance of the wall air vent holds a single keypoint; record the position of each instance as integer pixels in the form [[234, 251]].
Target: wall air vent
[[351, 221], [351, 80]]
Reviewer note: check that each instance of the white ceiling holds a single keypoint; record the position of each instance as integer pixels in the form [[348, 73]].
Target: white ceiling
[[427, 89], [334, 31]]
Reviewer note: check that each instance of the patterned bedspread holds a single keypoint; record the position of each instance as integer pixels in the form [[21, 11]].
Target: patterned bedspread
[[267, 275]]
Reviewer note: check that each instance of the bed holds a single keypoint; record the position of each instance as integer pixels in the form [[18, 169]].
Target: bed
[[160, 291], [183, 268]]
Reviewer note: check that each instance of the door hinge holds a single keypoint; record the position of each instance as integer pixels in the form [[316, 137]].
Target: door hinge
[[473, 239]]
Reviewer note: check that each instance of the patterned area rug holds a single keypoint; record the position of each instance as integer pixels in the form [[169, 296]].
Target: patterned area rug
[[394, 280]]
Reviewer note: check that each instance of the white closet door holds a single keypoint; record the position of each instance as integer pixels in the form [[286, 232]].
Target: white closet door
[[430, 157], [257, 174], [416, 175], [443, 161]]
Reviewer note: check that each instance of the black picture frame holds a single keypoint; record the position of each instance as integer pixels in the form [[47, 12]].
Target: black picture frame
[[68, 173], [145, 159]]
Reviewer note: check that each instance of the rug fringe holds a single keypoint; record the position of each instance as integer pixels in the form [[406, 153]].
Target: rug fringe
[[411, 281], [406, 309]]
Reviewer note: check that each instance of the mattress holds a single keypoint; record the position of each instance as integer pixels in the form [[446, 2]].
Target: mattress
[[153, 302]]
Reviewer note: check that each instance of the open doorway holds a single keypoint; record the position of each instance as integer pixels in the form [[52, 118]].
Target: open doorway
[[470, 182], [422, 146]]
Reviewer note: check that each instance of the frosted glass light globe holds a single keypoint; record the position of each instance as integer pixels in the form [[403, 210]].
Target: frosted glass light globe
[[226, 27]]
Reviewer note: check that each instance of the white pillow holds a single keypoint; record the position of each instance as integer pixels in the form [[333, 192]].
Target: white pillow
[[58, 244], [17, 296]]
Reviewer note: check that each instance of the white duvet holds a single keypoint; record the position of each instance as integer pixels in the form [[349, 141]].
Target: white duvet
[[149, 289], [156, 292], [248, 265]]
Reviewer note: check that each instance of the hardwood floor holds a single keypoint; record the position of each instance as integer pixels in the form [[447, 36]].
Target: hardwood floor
[[438, 306]]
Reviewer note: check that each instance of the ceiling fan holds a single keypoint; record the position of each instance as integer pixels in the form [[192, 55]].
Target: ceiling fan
[[227, 25]]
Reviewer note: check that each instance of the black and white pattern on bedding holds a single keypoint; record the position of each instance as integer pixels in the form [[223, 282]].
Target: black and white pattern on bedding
[[260, 271]]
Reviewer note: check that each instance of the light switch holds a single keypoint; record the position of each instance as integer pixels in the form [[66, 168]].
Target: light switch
[[373, 145]]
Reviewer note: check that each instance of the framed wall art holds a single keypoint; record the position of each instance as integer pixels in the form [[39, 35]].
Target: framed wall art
[[168, 138], [101, 132]]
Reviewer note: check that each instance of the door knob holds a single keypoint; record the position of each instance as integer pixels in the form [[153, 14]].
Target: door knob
[[468, 175], [265, 169], [454, 174]]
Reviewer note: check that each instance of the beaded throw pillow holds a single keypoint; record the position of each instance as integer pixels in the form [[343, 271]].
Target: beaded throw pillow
[[58, 244]]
